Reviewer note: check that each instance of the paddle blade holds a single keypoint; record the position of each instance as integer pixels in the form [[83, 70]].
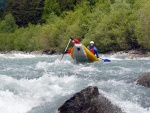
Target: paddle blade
[[107, 60]]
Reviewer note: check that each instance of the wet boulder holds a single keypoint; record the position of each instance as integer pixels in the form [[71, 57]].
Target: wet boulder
[[139, 52], [89, 100], [133, 54], [144, 80]]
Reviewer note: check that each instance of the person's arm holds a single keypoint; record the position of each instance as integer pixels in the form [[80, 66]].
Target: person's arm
[[96, 52], [88, 47], [69, 51]]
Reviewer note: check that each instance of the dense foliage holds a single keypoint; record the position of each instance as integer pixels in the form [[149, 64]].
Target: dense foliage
[[114, 25], [25, 11]]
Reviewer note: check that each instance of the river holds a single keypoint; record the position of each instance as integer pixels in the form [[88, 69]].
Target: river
[[42, 83]]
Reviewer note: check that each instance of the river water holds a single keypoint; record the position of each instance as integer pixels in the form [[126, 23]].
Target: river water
[[42, 83]]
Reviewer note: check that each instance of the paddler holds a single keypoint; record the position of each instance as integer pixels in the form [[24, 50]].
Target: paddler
[[74, 41], [93, 49]]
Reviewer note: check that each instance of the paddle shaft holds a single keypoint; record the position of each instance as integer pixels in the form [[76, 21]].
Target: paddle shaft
[[65, 49]]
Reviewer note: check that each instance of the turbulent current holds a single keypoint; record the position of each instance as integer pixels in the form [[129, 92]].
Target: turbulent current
[[42, 83]]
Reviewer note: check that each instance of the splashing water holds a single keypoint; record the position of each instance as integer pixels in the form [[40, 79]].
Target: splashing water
[[42, 83]]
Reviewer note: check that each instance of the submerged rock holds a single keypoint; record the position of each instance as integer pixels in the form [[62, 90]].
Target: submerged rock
[[89, 100], [48, 52], [144, 80]]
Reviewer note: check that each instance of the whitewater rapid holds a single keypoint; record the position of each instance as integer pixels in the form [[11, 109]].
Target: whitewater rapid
[[42, 83]]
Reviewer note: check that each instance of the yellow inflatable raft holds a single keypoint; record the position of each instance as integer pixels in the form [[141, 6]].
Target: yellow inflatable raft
[[81, 54]]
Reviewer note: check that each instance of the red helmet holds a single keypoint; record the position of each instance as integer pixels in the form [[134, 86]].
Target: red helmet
[[76, 41]]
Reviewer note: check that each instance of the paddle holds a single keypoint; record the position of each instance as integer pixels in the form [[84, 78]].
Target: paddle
[[65, 49], [105, 60]]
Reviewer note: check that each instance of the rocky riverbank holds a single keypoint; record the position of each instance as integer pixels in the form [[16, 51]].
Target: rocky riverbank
[[131, 53]]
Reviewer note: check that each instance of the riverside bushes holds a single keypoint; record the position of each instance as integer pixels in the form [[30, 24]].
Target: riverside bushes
[[113, 24]]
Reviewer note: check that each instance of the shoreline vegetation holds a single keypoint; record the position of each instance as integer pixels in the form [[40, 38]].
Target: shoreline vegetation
[[114, 25]]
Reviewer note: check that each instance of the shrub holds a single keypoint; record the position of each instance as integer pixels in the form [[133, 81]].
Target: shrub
[[8, 25]]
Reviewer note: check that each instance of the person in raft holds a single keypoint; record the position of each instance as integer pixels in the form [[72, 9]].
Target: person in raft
[[93, 49], [74, 41]]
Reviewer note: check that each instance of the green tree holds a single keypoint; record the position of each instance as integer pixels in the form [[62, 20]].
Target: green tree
[[70, 4], [66, 4], [143, 24], [51, 6], [112, 27], [26, 11], [8, 25], [27, 38]]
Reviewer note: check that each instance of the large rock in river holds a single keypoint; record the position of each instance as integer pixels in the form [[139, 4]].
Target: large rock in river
[[144, 80], [89, 100]]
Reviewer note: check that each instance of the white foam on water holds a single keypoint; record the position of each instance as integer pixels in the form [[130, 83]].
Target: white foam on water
[[20, 96], [112, 57], [126, 106], [43, 65], [11, 103], [138, 58], [23, 56], [123, 56], [119, 71], [14, 56], [143, 58], [116, 91], [57, 63], [61, 79], [20, 56], [87, 69], [13, 97], [62, 62]]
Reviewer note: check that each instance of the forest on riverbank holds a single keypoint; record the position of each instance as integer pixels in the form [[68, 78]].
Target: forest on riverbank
[[114, 25]]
